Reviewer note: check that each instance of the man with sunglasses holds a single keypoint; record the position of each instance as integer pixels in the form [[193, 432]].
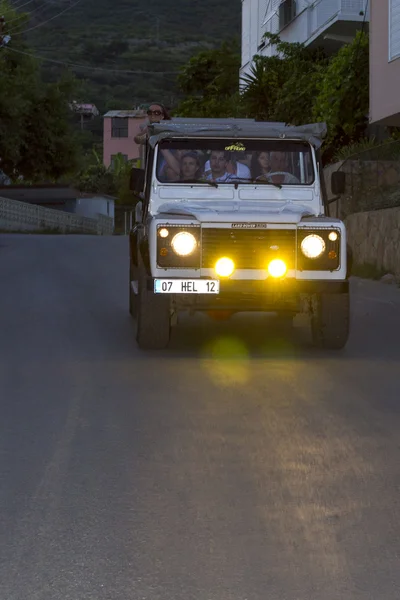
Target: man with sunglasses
[[156, 113]]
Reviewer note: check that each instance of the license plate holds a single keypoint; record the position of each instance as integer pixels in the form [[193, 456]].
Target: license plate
[[186, 286]]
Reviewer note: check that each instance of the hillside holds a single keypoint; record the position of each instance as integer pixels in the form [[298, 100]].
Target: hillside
[[144, 35]]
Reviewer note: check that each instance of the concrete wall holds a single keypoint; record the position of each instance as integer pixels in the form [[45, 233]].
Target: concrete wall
[[374, 235], [93, 206], [21, 216], [384, 72], [375, 238]]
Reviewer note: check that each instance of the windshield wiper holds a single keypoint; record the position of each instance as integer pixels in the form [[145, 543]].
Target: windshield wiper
[[257, 181], [208, 181]]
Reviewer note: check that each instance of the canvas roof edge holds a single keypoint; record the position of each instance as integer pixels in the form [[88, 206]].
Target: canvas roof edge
[[125, 113], [313, 133]]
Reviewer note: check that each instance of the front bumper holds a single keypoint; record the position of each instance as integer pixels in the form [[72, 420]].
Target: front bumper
[[252, 295]]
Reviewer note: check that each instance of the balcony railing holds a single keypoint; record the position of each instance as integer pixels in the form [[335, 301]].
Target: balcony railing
[[323, 11], [318, 16]]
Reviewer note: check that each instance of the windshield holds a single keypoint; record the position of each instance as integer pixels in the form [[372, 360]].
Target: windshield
[[224, 161]]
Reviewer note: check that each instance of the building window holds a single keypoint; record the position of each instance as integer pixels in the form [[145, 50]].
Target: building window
[[394, 29], [287, 12], [119, 127]]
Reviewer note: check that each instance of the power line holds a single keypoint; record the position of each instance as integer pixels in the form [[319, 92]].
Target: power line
[[27, 13], [78, 66], [21, 5], [137, 59], [48, 20]]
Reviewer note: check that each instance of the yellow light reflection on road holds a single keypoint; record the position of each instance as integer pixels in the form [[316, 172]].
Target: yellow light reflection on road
[[226, 362]]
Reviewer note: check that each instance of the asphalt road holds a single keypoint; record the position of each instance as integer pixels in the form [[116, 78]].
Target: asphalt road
[[240, 464]]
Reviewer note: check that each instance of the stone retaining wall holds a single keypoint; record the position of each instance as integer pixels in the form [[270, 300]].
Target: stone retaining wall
[[374, 237]]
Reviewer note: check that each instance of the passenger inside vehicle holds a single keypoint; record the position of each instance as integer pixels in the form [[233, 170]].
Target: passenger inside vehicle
[[190, 167], [260, 166], [218, 170], [235, 166], [179, 164]]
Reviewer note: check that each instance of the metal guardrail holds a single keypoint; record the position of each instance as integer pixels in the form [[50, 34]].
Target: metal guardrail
[[22, 216]]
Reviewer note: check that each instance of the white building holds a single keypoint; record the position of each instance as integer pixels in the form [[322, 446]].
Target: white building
[[326, 23]]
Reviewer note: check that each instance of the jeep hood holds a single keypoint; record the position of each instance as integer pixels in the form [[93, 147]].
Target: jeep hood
[[223, 212]]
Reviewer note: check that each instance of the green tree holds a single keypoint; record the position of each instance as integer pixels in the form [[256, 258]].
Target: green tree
[[282, 87], [36, 139], [210, 80], [343, 95], [95, 178]]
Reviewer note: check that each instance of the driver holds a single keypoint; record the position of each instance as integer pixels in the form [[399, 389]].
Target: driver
[[279, 165]]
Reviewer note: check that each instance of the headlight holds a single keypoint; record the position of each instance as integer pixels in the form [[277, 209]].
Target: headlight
[[184, 243], [313, 246]]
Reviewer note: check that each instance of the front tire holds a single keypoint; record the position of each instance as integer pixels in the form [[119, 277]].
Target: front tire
[[330, 321], [153, 319]]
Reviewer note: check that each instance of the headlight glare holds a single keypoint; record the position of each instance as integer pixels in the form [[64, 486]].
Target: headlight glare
[[277, 268], [313, 246], [224, 267], [183, 243]]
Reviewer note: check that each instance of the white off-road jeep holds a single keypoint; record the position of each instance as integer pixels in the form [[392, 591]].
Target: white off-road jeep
[[233, 217]]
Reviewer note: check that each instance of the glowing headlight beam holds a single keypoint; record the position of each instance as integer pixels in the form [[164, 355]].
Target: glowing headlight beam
[[224, 267], [277, 268], [183, 243], [313, 246]]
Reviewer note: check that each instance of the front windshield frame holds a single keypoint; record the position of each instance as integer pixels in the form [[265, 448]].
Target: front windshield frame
[[307, 170]]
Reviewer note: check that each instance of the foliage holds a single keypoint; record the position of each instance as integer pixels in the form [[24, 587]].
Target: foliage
[[343, 94], [361, 146], [141, 36], [96, 178], [282, 87], [295, 85], [370, 149], [36, 140], [210, 82]]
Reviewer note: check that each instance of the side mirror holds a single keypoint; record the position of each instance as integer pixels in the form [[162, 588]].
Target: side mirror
[[338, 183], [137, 181]]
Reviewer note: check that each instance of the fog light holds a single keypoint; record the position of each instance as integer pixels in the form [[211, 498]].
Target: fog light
[[164, 233], [333, 236], [277, 268], [224, 267]]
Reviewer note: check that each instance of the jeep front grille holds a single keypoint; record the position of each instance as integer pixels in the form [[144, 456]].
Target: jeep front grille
[[248, 248]]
